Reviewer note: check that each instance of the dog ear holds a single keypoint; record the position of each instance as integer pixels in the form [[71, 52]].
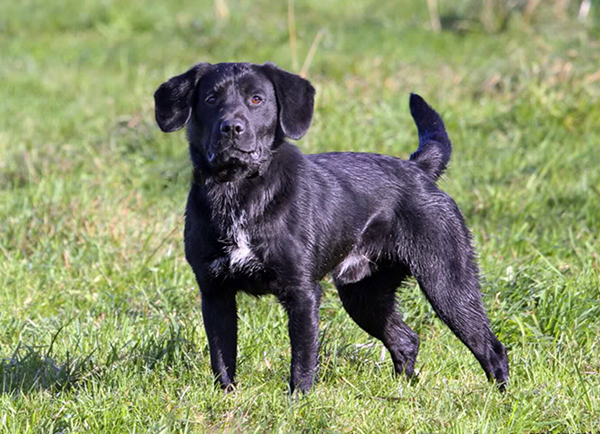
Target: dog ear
[[295, 98], [173, 99]]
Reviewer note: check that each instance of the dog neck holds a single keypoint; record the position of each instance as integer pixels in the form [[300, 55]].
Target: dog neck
[[198, 177], [246, 201]]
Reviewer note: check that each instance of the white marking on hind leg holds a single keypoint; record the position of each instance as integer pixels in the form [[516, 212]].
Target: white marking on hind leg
[[351, 261], [354, 267]]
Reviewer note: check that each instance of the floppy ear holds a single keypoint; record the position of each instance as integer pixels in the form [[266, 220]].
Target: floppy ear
[[295, 98], [173, 99]]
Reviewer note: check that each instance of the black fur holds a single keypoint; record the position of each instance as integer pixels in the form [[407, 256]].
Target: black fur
[[265, 219]]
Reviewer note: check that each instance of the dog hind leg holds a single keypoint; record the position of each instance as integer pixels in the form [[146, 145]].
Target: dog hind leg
[[371, 303], [457, 301]]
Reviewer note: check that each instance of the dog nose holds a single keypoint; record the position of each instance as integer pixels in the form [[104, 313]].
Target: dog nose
[[232, 127]]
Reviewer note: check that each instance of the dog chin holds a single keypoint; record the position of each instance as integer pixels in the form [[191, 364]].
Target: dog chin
[[234, 172]]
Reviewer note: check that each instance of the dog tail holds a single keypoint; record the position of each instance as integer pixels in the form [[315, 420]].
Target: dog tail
[[435, 147]]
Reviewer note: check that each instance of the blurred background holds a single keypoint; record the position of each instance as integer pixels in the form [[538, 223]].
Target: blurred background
[[96, 297]]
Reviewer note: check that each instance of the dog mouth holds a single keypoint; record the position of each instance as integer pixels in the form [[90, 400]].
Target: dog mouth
[[233, 164], [212, 157]]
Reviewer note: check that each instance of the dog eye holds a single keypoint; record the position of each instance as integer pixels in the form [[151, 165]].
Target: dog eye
[[211, 99], [256, 99]]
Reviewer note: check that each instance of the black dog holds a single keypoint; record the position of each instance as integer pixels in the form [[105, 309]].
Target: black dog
[[265, 219]]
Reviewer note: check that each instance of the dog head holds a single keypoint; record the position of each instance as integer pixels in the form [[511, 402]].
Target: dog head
[[236, 113]]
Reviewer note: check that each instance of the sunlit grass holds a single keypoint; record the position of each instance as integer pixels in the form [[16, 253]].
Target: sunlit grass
[[100, 323]]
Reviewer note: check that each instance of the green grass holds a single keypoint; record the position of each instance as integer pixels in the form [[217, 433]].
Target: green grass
[[100, 323]]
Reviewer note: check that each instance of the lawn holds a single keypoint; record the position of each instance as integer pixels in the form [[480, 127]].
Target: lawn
[[100, 322]]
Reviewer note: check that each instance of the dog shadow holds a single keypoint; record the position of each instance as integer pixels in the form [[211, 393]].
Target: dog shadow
[[29, 369]]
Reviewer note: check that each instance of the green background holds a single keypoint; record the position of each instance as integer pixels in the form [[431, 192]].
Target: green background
[[100, 325]]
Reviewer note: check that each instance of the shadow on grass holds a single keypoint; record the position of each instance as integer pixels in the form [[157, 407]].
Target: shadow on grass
[[456, 24], [31, 369]]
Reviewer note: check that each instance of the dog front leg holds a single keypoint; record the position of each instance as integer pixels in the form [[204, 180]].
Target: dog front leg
[[219, 313], [302, 306]]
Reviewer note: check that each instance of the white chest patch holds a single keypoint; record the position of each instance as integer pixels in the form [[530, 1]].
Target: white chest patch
[[239, 254]]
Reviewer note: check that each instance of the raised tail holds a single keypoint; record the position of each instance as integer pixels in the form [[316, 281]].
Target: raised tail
[[435, 147]]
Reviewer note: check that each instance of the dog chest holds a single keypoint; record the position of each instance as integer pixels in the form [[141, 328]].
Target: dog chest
[[239, 254]]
